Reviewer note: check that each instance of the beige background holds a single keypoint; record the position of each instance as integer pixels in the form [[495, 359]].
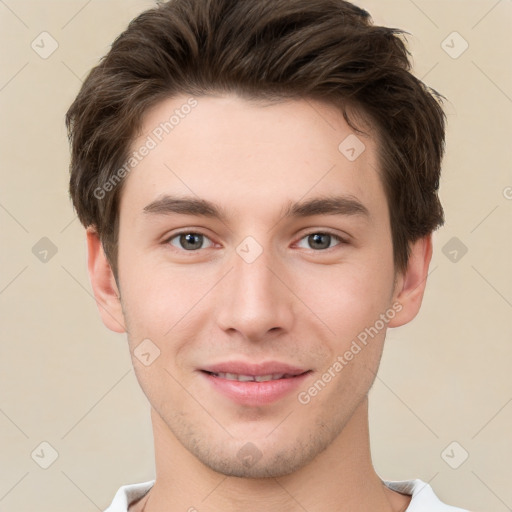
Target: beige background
[[67, 381]]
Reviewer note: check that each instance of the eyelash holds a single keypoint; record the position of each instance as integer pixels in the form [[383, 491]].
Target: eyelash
[[341, 240]]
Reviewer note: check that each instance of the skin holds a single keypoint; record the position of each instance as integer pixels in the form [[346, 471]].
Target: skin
[[295, 303]]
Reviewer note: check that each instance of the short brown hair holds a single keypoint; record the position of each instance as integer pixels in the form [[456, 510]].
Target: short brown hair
[[327, 50]]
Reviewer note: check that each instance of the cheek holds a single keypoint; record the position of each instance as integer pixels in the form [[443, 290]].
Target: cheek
[[156, 294], [346, 298], [165, 306]]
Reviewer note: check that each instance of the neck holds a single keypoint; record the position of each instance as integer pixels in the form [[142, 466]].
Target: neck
[[340, 478]]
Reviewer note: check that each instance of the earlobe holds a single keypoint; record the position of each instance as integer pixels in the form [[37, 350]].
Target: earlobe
[[411, 284], [103, 284]]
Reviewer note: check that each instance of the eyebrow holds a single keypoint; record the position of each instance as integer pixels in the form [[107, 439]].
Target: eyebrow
[[328, 205], [167, 205]]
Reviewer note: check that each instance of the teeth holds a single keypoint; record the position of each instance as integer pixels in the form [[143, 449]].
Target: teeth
[[241, 378], [251, 378], [265, 378]]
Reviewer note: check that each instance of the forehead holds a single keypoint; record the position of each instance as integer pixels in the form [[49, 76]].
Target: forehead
[[237, 153]]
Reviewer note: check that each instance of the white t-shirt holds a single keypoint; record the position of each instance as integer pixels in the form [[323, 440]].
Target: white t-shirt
[[423, 497]]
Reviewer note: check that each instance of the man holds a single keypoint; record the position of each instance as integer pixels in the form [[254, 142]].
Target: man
[[258, 180]]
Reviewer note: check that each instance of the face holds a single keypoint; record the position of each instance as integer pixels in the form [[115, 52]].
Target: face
[[251, 243]]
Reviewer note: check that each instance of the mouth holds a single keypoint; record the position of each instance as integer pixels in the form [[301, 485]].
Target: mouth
[[254, 378], [256, 386]]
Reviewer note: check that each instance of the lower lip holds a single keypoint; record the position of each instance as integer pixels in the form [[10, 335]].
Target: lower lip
[[256, 393]]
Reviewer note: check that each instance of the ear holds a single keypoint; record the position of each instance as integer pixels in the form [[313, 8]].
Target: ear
[[103, 284], [410, 285]]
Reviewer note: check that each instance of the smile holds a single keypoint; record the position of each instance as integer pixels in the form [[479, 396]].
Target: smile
[[254, 390], [252, 378]]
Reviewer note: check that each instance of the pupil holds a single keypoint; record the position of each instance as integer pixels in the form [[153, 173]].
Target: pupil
[[316, 239], [191, 241]]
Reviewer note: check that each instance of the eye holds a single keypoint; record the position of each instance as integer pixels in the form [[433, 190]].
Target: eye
[[320, 240], [188, 240]]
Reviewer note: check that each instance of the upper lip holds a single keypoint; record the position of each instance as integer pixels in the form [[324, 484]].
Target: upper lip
[[243, 368]]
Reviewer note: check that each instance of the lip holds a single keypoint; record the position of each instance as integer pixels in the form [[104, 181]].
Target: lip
[[243, 368], [254, 393]]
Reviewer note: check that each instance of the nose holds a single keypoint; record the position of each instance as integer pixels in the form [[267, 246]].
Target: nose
[[255, 300]]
